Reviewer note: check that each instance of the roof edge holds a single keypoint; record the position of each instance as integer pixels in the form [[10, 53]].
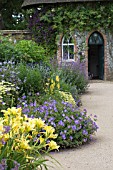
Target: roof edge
[[29, 3]]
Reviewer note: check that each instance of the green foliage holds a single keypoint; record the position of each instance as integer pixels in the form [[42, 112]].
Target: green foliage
[[12, 16], [67, 17], [28, 51], [74, 76], [30, 78], [7, 50], [74, 126]]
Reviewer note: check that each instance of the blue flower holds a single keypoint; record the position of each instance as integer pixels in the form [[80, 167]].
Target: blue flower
[[85, 132], [63, 136], [73, 127], [77, 122], [71, 138], [61, 123]]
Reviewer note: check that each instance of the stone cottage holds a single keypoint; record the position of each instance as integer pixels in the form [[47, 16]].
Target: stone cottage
[[99, 42]]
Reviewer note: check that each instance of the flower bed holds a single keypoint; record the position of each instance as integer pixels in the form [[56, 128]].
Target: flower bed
[[24, 141]]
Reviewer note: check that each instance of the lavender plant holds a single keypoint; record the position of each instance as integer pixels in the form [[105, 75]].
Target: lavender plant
[[74, 74]]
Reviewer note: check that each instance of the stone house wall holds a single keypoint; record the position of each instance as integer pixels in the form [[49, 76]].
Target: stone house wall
[[81, 45]]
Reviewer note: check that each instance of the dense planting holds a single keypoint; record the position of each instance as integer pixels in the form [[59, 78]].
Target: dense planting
[[74, 126], [21, 51], [49, 99], [22, 139]]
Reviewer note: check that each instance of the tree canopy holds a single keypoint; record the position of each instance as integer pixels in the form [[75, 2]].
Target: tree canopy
[[11, 14]]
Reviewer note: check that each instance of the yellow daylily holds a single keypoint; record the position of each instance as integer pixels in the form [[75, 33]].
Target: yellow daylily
[[58, 86], [53, 145], [39, 123], [42, 140], [57, 78]]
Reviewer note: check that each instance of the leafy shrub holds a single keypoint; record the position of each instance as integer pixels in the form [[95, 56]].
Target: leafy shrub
[[31, 79], [29, 51], [7, 50], [23, 139], [26, 78], [26, 51]]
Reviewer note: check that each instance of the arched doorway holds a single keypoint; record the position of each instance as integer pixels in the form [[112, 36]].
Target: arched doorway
[[96, 56]]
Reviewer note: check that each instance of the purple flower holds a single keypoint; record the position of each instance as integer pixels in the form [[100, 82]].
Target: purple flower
[[31, 104], [35, 103], [73, 127], [51, 119], [17, 165], [61, 123], [55, 109], [72, 117], [85, 110], [69, 126], [26, 110], [71, 138], [24, 97], [77, 122], [3, 142], [85, 132], [85, 140], [3, 164], [63, 136], [7, 129], [61, 133], [65, 131]]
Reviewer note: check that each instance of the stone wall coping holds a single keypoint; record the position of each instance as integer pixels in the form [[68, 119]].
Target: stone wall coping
[[15, 31]]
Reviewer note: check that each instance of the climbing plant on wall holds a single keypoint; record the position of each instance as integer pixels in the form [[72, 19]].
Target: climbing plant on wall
[[49, 21]]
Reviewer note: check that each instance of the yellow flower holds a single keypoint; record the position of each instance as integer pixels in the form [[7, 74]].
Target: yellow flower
[[49, 129], [42, 140], [53, 145], [52, 80], [6, 137], [58, 86], [39, 123], [1, 127], [23, 144], [53, 136], [52, 87], [57, 78], [27, 127]]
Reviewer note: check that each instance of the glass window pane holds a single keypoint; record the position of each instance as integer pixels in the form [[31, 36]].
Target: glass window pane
[[96, 39], [65, 41], [71, 51], [71, 40], [65, 52]]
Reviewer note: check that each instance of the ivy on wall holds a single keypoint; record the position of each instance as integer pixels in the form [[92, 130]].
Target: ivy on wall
[[49, 21]]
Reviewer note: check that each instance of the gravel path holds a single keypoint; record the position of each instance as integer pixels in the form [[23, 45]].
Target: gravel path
[[97, 155]]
